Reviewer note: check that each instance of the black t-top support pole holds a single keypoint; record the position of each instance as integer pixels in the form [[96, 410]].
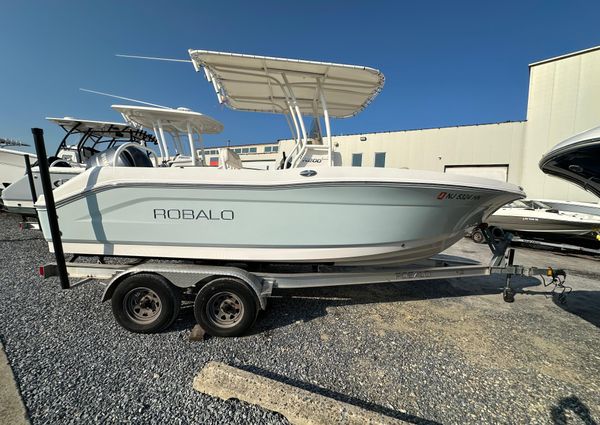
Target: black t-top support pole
[[30, 178], [40, 148]]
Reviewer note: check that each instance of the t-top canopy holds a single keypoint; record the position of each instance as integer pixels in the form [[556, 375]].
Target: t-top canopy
[[171, 120], [267, 84], [82, 126]]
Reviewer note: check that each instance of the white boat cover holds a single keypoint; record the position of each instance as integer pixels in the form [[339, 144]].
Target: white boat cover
[[69, 123], [172, 120], [256, 83]]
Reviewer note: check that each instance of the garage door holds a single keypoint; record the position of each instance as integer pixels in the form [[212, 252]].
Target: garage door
[[495, 172]]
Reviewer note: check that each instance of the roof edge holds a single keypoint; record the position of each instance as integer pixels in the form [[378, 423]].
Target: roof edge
[[565, 56]]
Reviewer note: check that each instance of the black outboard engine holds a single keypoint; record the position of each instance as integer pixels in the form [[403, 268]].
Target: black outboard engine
[[130, 156]]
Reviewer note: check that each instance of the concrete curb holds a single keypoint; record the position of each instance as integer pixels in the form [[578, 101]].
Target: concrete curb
[[12, 409], [297, 405]]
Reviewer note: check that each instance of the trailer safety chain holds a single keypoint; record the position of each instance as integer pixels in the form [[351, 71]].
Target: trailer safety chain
[[557, 281]]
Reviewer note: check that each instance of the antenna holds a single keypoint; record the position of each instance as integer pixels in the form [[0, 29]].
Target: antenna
[[152, 58], [125, 98], [11, 142]]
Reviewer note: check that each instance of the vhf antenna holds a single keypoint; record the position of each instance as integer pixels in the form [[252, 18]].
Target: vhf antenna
[[153, 58], [124, 98]]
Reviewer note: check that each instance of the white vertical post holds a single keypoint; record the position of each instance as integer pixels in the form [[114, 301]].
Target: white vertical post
[[327, 126], [162, 136], [160, 146], [202, 153], [299, 115], [190, 135]]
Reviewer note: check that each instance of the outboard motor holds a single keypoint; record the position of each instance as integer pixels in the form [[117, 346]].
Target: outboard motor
[[129, 156]]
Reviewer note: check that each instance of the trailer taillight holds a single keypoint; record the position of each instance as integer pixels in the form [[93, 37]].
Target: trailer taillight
[[42, 271]]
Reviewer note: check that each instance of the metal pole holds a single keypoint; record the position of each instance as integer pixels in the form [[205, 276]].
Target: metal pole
[[30, 178], [40, 148]]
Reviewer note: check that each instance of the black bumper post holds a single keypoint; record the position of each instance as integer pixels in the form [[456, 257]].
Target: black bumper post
[[40, 148]]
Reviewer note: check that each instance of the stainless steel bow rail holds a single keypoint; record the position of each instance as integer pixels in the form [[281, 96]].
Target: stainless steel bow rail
[[146, 294]]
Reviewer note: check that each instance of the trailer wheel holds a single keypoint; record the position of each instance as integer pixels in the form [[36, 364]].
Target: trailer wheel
[[225, 307], [478, 237], [145, 303], [508, 294]]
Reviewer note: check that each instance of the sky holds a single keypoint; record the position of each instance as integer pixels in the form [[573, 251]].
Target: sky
[[445, 62]]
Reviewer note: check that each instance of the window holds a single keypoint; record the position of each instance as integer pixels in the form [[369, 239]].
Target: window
[[357, 159], [380, 159], [237, 150], [274, 149], [252, 150]]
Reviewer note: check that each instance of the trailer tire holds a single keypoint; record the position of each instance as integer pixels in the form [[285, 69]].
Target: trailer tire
[[478, 237], [145, 303], [226, 307]]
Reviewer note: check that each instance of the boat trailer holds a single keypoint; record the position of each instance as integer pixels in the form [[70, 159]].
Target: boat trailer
[[146, 295]]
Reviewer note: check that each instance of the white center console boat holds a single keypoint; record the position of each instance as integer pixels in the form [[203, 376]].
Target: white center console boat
[[300, 213]]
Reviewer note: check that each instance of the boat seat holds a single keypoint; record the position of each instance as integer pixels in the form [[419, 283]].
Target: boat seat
[[230, 160]]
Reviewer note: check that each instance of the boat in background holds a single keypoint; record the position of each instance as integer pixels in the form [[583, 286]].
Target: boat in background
[[576, 160], [185, 127], [12, 162], [83, 140], [530, 216], [306, 211], [587, 208]]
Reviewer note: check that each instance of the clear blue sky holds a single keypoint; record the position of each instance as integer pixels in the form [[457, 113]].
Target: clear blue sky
[[445, 62]]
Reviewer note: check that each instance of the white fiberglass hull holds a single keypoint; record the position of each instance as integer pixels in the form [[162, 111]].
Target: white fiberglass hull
[[339, 215], [12, 166], [17, 197], [542, 222]]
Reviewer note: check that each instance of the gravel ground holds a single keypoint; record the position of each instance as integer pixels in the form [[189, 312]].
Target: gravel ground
[[427, 352]]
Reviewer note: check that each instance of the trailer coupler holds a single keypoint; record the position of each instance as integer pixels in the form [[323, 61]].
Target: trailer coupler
[[555, 279]]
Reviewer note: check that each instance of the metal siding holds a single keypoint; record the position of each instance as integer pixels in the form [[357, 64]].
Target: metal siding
[[564, 99]]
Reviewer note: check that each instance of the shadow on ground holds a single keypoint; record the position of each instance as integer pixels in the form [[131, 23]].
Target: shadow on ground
[[585, 304], [575, 405], [292, 305]]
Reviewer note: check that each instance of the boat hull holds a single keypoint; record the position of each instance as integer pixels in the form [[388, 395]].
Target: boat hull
[[542, 225], [12, 166], [328, 221], [17, 197]]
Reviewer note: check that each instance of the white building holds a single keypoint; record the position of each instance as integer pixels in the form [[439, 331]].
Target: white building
[[564, 99]]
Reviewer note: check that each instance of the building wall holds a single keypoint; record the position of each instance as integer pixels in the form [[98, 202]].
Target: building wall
[[434, 149], [564, 99]]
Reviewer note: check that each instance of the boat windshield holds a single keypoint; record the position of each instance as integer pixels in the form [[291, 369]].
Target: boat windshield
[[539, 205], [517, 204]]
